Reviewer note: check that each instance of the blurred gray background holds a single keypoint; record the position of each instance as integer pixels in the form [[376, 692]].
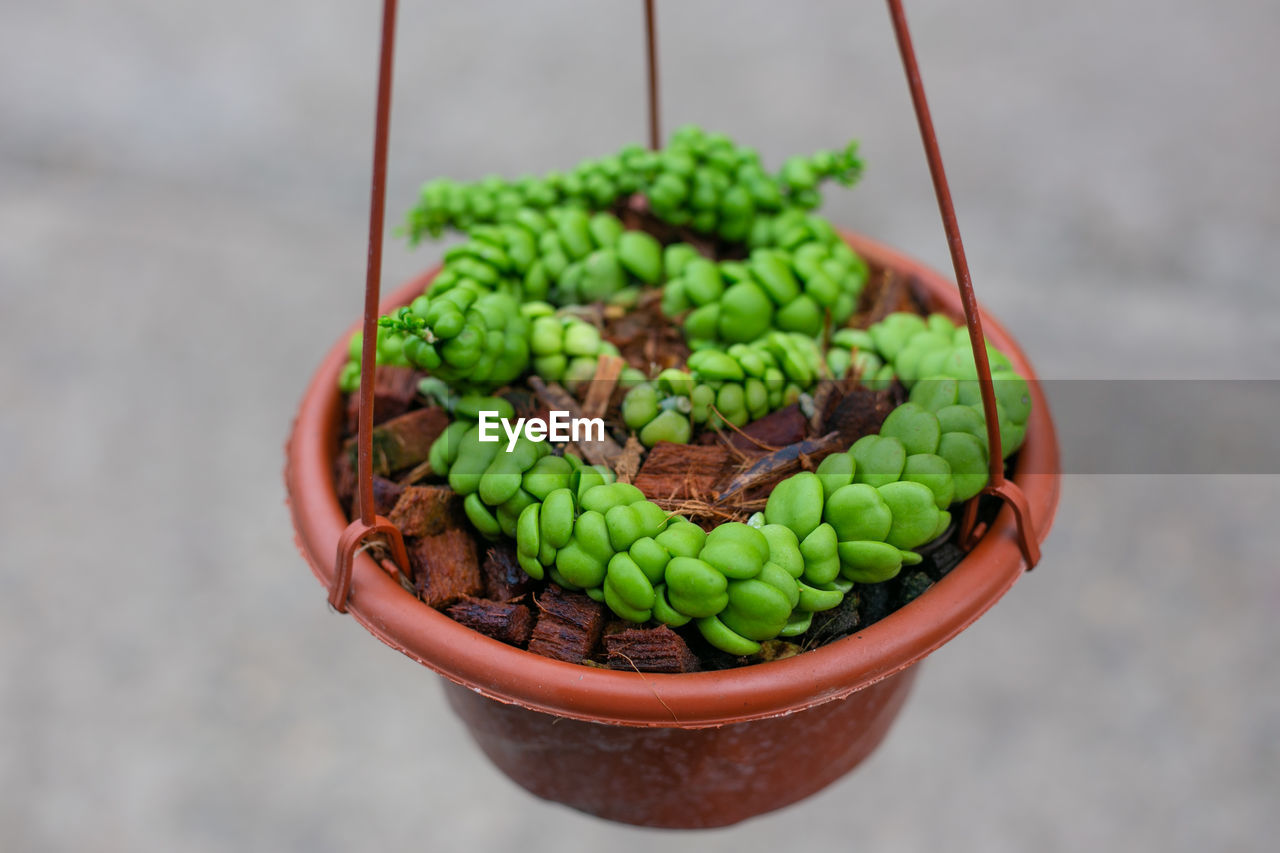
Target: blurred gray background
[[183, 198]]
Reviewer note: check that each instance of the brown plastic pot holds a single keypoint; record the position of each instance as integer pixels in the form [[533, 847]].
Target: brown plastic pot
[[692, 750]]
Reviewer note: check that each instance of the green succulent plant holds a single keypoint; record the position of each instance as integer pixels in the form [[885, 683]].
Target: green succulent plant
[[764, 329]]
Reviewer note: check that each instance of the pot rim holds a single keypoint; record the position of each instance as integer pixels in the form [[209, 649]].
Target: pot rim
[[690, 700]]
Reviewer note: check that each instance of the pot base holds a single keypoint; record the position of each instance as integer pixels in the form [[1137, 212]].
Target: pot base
[[683, 778]]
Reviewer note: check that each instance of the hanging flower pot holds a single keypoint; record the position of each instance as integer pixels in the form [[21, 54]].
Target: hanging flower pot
[[769, 312]]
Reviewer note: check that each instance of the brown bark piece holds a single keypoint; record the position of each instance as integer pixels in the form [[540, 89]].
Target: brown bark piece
[[645, 338], [504, 580], [394, 390], [386, 493], [404, 441], [859, 412], [416, 474], [924, 301], [346, 483], [502, 620], [628, 463], [766, 471], [573, 608], [650, 650], [569, 625], [445, 566], [684, 471], [885, 294], [425, 510], [344, 479], [776, 429], [600, 390]]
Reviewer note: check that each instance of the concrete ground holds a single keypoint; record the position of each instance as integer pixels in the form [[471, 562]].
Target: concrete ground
[[183, 193]]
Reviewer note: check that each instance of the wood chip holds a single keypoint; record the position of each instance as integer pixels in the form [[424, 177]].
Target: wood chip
[[569, 625], [394, 391], [858, 412], [386, 494], [825, 396], [344, 479], [650, 650], [403, 442], [684, 471], [768, 470], [645, 337], [886, 293], [600, 391], [776, 429], [416, 474], [504, 580], [628, 464], [502, 620], [426, 510], [445, 566]]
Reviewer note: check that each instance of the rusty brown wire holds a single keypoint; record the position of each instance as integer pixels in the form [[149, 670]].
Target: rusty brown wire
[[996, 483], [370, 523]]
